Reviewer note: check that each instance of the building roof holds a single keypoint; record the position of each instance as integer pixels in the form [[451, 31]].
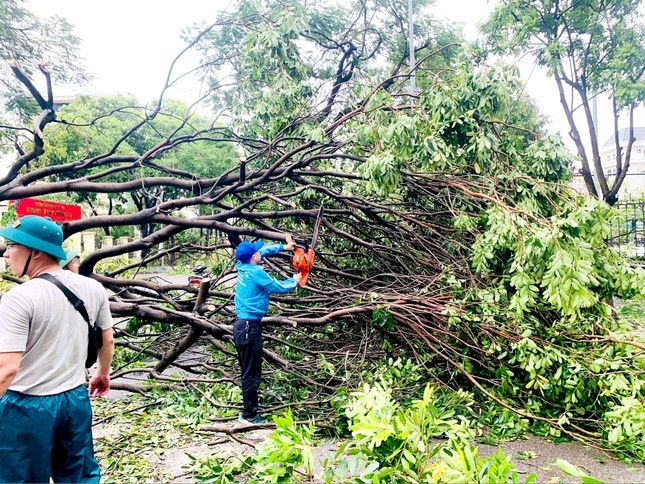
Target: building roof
[[623, 137]]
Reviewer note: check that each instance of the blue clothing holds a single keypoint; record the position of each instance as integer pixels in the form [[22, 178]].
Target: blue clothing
[[254, 286], [252, 291], [43, 436]]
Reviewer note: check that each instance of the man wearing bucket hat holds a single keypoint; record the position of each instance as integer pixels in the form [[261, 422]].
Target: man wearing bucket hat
[[71, 262], [252, 291], [45, 412]]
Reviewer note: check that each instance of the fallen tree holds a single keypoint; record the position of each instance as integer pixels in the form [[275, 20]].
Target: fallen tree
[[450, 237]]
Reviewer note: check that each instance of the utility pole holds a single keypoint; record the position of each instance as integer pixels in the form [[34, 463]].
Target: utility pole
[[413, 80], [594, 115]]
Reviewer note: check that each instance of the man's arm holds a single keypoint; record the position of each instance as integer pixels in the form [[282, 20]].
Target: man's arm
[[271, 249], [100, 382], [14, 330], [273, 285], [9, 364]]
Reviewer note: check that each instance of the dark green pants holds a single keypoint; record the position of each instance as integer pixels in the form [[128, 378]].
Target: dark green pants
[[47, 436]]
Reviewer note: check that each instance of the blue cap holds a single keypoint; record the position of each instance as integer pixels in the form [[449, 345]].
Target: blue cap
[[246, 249], [38, 233]]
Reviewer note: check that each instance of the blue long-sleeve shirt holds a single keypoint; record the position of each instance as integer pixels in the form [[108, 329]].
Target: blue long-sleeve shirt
[[254, 286]]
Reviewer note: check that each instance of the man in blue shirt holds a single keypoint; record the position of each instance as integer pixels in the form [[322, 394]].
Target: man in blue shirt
[[252, 291]]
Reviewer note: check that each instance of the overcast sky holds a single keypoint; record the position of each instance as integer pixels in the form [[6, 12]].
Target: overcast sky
[[128, 46]]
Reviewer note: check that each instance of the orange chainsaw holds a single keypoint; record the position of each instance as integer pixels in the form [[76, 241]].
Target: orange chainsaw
[[304, 255]]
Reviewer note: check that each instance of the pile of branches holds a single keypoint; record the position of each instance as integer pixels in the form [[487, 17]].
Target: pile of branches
[[378, 267], [395, 261], [375, 259]]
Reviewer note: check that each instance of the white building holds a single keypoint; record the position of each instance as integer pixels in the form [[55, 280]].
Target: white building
[[634, 183]]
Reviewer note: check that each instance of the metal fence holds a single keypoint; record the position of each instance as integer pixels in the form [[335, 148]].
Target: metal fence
[[629, 228]]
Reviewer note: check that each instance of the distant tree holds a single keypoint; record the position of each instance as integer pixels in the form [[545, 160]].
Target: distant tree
[[91, 126], [590, 47], [271, 66], [31, 42]]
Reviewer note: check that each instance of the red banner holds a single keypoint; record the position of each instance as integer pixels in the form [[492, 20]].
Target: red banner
[[58, 212]]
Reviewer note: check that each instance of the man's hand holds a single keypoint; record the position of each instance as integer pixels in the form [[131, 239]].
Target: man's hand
[[298, 277], [99, 385], [291, 244]]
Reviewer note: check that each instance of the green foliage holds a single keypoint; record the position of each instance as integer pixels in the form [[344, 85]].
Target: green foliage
[[575, 471], [398, 444], [401, 374], [590, 47], [602, 39], [288, 449], [125, 357], [625, 426], [9, 217], [29, 39], [383, 318], [548, 282], [462, 125], [565, 266], [144, 429], [382, 427], [391, 443], [130, 456], [501, 424], [218, 470], [286, 456], [136, 326], [573, 384], [111, 264], [458, 462], [281, 57]]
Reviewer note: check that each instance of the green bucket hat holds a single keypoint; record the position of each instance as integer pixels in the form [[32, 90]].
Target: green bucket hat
[[69, 256], [38, 233]]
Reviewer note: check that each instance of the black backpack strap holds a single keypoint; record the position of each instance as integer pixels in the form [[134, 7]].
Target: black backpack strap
[[78, 304]]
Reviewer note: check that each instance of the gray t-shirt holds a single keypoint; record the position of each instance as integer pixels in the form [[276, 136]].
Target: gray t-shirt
[[37, 319]]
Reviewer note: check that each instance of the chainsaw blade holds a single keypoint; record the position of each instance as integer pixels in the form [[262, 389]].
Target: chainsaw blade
[[319, 217]]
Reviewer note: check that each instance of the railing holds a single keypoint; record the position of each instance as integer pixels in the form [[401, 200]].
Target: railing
[[629, 227]]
